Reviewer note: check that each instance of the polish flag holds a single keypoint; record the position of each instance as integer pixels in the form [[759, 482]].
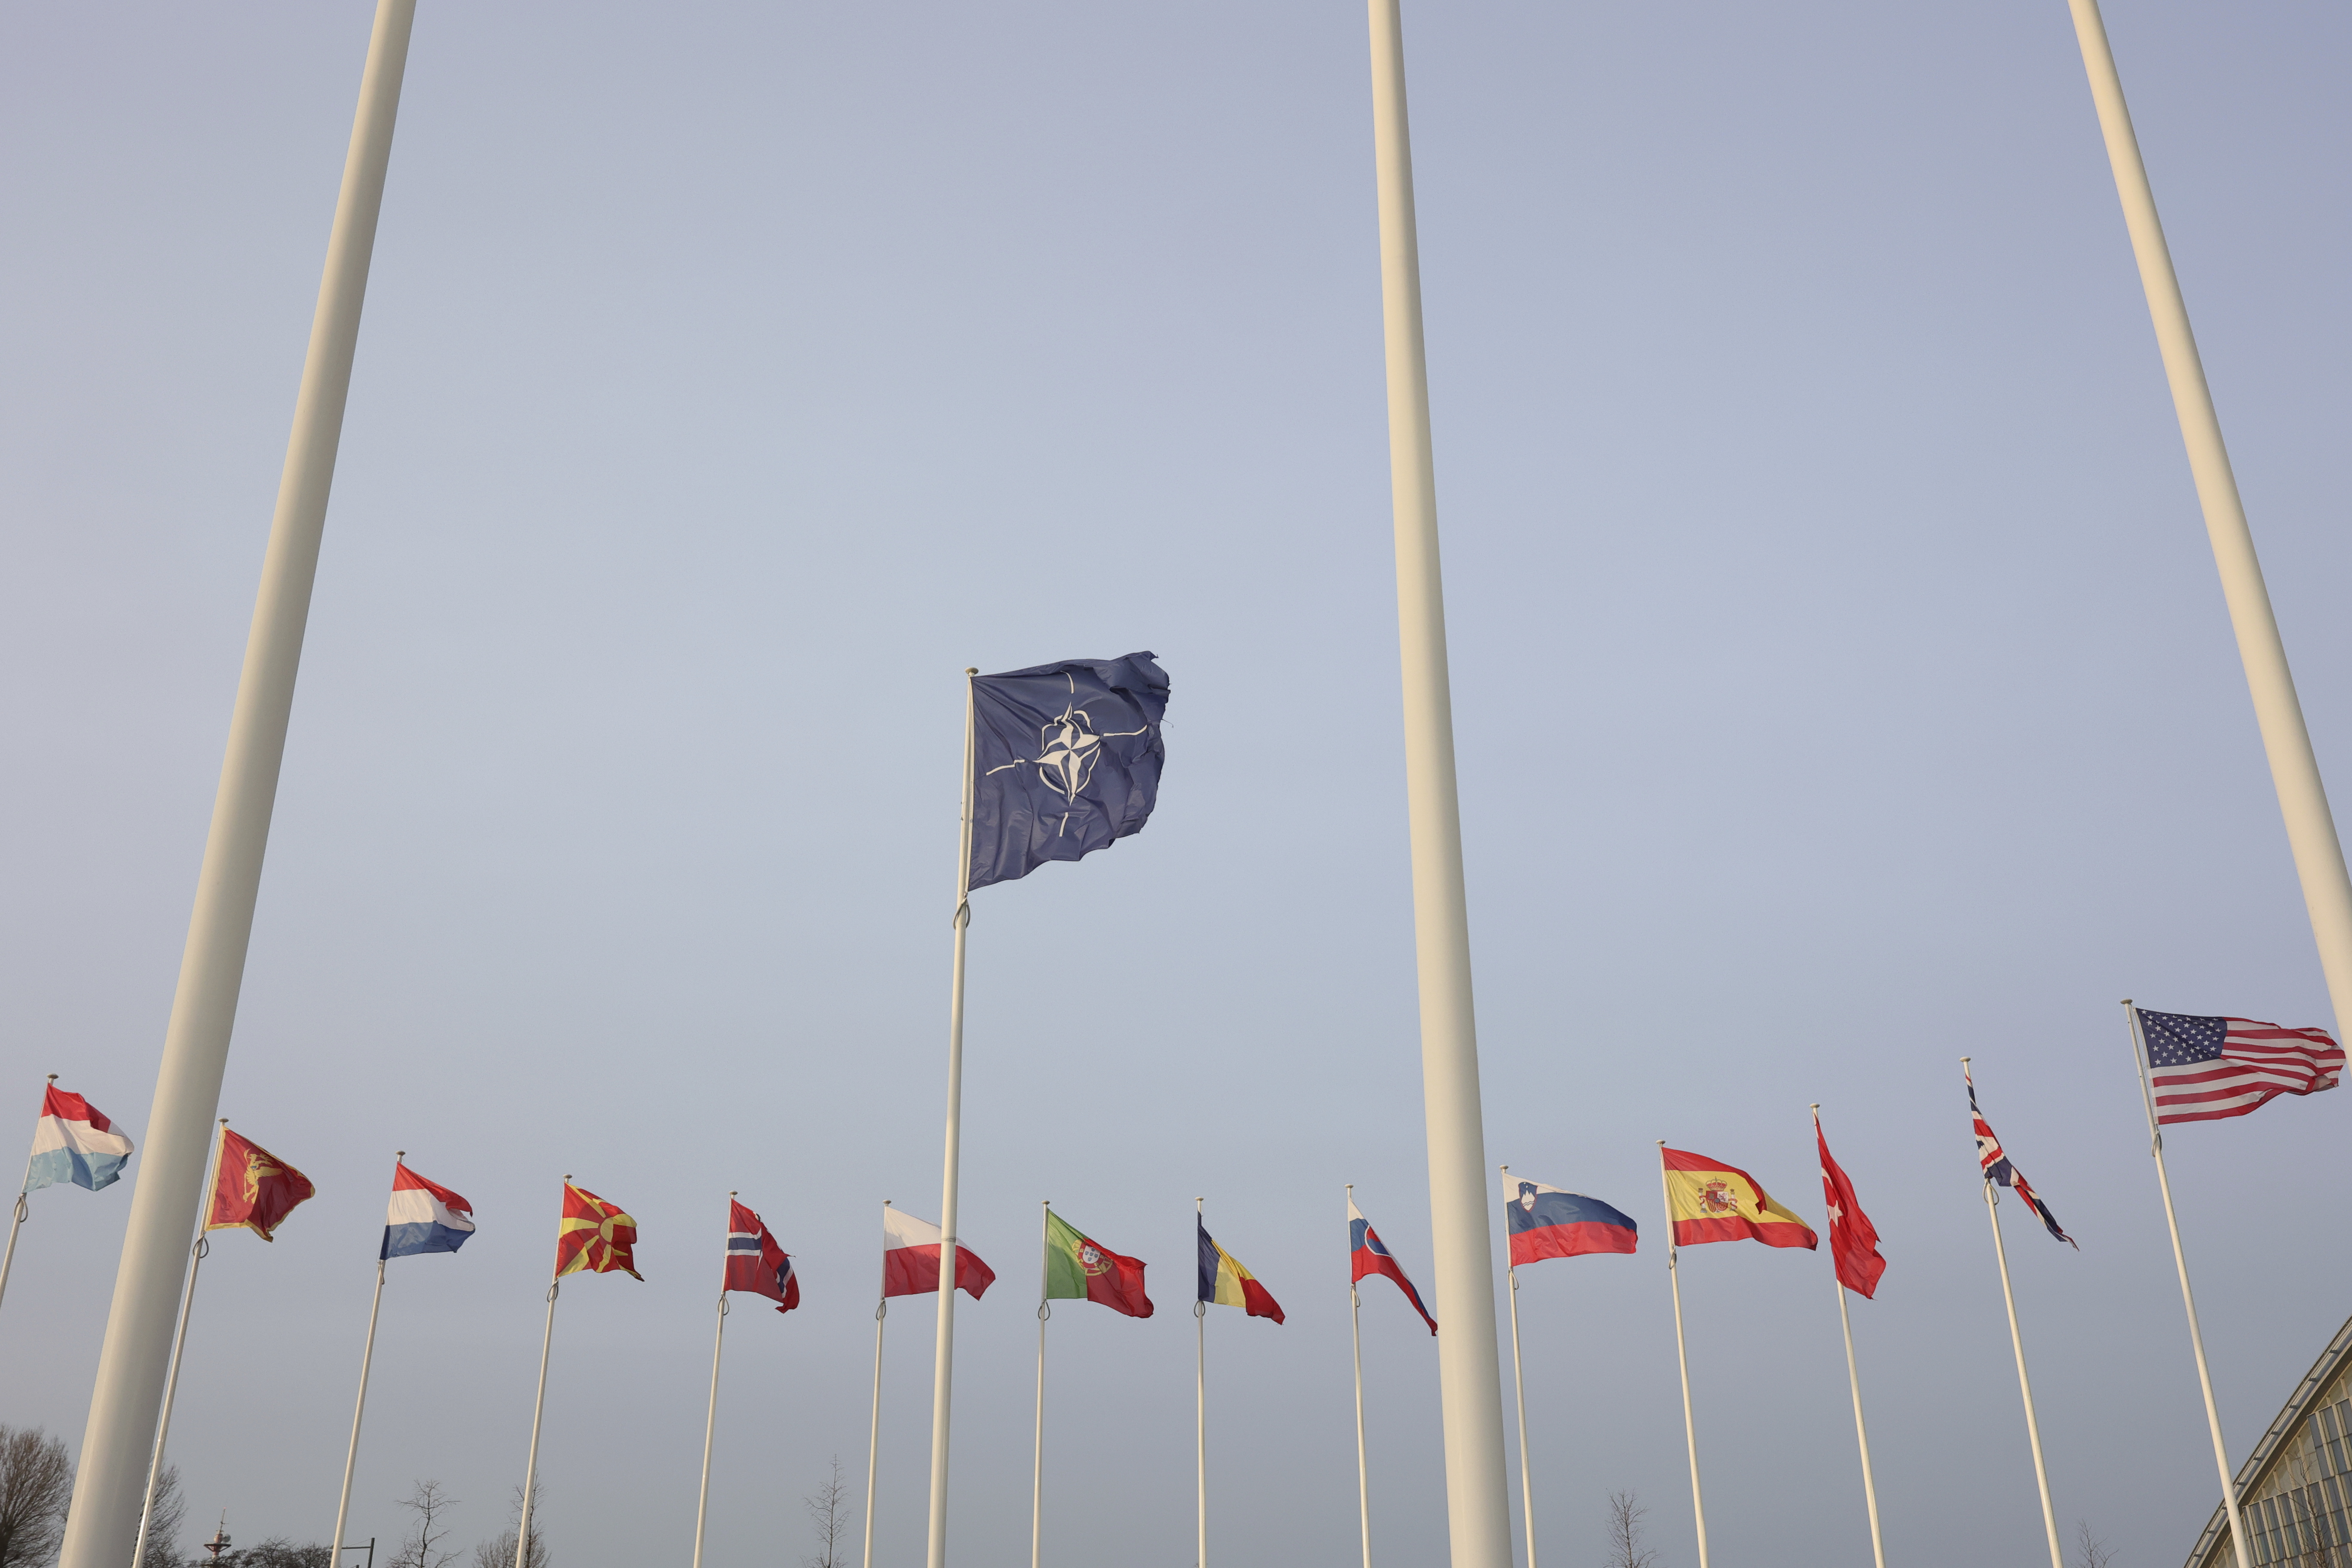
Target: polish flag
[[910, 1259]]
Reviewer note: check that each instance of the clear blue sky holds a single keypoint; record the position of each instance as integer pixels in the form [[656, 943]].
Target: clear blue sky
[[1841, 682]]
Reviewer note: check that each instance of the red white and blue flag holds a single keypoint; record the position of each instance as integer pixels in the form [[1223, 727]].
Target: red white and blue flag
[[1546, 1222], [423, 1217], [2203, 1069], [1367, 1255], [756, 1263], [1996, 1168], [73, 1142]]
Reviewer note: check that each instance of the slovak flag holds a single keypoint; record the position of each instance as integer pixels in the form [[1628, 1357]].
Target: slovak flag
[[1545, 1222], [73, 1142], [756, 1263], [910, 1259], [424, 1217], [1367, 1255]]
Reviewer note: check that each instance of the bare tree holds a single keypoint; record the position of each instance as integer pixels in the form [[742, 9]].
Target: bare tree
[[428, 1507], [500, 1551], [828, 1510], [278, 1552], [2090, 1551], [1625, 1548], [35, 1485], [164, 1521]]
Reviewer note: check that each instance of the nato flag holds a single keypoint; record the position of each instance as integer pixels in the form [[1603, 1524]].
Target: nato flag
[[1066, 759]]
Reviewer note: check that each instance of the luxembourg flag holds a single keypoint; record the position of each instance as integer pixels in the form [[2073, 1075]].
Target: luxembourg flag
[[424, 1217], [1545, 1222], [73, 1142]]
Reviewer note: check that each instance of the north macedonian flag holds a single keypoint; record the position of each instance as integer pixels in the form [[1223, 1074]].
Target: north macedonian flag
[[1075, 1264], [253, 1188], [594, 1236], [1710, 1201]]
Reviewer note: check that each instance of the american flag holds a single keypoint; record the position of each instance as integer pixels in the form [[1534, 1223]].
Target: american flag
[[2206, 1068]]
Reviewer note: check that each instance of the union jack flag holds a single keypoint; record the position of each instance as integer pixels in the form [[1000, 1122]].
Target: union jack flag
[[2206, 1068], [1997, 1167]]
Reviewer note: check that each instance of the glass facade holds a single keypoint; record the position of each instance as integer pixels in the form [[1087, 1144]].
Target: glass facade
[[2295, 1509]]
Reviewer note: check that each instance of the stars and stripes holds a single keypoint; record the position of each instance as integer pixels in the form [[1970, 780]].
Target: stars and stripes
[[2203, 1069], [1997, 1167]]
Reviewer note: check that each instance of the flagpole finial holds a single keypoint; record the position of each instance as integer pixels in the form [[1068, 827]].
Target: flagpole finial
[[1817, 1108], [400, 1153], [731, 1192], [53, 1078], [2126, 1001], [971, 670]]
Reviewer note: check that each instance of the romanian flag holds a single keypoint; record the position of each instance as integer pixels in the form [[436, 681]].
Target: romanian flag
[[1710, 1201], [253, 1187], [1224, 1282], [594, 1236], [1079, 1266]]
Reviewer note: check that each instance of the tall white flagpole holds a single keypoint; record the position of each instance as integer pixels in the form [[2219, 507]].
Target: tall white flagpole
[[874, 1426], [1853, 1380], [1478, 1509], [1201, 1410], [359, 1407], [2025, 1383], [1520, 1386], [2287, 739], [943, 1369], [197, 1252], [1045, 1310], [1356, 1330], [2138, 1040], [1682, 1357], [537, 1409], [131, 1368], [710, 1416], [22, 1210]]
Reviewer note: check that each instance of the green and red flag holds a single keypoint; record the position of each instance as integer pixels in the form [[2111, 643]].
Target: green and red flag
[[1079, 1266]]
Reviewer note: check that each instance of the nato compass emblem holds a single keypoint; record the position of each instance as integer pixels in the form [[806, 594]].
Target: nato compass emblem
[[1068, 748]]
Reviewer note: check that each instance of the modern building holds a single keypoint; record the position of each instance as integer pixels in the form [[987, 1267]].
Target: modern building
[[2294, 1486]]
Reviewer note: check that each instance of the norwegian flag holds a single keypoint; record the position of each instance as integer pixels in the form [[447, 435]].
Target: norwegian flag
[[2206, 1068], [1997, 1167], [754, 1261]]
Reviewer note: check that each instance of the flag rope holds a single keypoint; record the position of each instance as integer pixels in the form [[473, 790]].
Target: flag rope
[[201, 1250], [23, 1210], [874, 1421], [710, 1416], [943, 1368], [1852, 1376], [1356, 1333], [1520, 1386], [367, 1355], [2017, 1343], [1682, 1357]]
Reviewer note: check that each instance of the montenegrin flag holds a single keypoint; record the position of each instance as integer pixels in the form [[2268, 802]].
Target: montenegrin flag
[[1077, 1266], [253, 1188], [424, 1217], [1225, 1283], [73, 1142], [910, 1259], [594, 1236], [1710, 1201]]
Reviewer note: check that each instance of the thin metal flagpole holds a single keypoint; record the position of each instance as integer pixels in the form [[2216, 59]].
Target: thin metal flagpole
[[1200, 1412], [202, 1246], [359, 1408], [2181, 1262], [1520, 1386], [2025, 1383], [873, 1422], [2287, 739], [1045, 1310], [1853, 1380], [131, 1366], [1355, 1329], [537, 1409], [943, 1368], [1682, 1357], [23, 1209], [710, 1416]]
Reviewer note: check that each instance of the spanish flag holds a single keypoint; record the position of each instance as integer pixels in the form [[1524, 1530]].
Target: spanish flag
[[594, 1236], [1710, 1201]]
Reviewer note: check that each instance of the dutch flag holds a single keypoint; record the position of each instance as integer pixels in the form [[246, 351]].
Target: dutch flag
[[424, 1217]]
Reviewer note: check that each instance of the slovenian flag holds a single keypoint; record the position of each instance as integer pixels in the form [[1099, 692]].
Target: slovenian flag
[[73, 1142], [424, 1217], [910, 1259], [1367, 1254], [1225, 1283], [1545, 1222]]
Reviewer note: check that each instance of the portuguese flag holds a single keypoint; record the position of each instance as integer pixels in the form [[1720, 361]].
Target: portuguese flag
[[1079, 1266]]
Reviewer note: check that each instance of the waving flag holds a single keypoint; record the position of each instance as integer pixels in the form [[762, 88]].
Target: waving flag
[[594, 1236], [424, 1217], [1997, 1167], [1710, 1201], [910, 1259], [253, 1188], [1367, 1255], [1853, 1240], [754, 1261], [1079, 1266], [73, 1142], [1065, 759], [2203, 1069], [1225, 1283], [1545, 1222]]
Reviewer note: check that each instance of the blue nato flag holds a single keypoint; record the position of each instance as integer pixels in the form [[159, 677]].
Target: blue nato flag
[[1065, 760]]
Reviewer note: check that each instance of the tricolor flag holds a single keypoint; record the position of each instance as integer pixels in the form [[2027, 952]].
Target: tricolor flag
[[1545, 1222], [756, 1263], [1853, 1240], [1225, 1283], [1997, 1167], [253, 1188], [910, 1259], [1065, 760], [73, 1142], [594, 1236], [424, 1217], [1079, 1266], [2206, 1068], [1367, 1255], [1710, 1201]]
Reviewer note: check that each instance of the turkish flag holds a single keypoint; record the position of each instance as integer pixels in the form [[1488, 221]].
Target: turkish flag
[[253, 1187], [1853, 1240]]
